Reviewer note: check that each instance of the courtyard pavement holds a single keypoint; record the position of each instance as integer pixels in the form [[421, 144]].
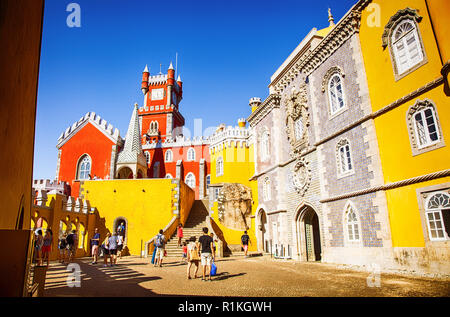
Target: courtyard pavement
[[237, 276]]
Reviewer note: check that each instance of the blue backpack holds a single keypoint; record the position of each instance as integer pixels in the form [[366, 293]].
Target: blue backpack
[[159, 241]]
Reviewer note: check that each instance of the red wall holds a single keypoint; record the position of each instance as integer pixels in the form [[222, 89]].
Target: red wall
[[89, 140]]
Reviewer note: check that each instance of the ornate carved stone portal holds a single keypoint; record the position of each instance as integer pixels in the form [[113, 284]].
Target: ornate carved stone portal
[[235, 206]]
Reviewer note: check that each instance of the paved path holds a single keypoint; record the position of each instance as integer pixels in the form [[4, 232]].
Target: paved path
[[238, 276]]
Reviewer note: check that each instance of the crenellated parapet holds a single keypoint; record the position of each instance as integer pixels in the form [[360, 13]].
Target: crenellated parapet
[[48, 185], [238, 136], [93, 118], [179, 141]]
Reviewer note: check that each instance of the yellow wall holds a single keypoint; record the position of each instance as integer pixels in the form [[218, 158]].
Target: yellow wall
[[398, 162], [239, 167], [404, 216], [147, 205], [380, 74]]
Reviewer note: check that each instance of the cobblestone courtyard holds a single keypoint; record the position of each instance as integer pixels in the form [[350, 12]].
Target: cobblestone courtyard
[[237, 276]]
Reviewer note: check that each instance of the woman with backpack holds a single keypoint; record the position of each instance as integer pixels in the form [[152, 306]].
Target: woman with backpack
[[160, 241], [193, 257]]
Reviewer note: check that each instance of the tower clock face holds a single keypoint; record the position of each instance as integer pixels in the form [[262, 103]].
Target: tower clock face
[[158, 94]]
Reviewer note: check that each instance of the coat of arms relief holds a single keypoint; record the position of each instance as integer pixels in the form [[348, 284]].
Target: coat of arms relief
[[297, 123]]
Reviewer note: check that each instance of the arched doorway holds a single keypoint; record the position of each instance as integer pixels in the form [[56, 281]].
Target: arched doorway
[[308, 234], [125, 173], [261, 230], [120, 226]]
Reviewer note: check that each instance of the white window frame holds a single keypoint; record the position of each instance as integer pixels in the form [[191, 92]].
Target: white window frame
[[190, 176], [438, 211], [339, 108], [85, 172], [352, 224], [147, 157], [170, 154], [208, 181], [428, 141], [267, 193], [403, 39], [265, 145], [343, 167], [191, 154], [219, 166]]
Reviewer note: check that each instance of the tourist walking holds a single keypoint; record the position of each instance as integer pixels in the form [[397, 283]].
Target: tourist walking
[[193, 257], [105, 248], [38, 242], [184, 256], [245, 239], [180, 233], [119, 245], [95, 241], [62, 247], [72, 241], [160, 241], [47, 246], [206, 246], [112, 246]]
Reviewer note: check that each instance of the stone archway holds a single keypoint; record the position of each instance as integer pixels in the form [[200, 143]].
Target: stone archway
[[309, 245], [125, 173], [117, 222], [261, 230]]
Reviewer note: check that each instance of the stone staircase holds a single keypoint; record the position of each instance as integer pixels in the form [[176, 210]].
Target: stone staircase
[[193, 227]]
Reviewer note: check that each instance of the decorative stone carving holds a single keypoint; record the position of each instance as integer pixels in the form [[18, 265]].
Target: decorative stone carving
[[297, 113], [301, 176], [235, 206]]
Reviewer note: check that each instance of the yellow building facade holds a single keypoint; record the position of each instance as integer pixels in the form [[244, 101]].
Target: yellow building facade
[[404, 60], [232, 163]]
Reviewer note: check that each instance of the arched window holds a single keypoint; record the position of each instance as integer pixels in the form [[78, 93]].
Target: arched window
[[336, 93], [147, 156], [190, 180], [424, 129], [156, 170], [84, 167], [169, 156], [208, 181], [298, 128], [437, 213], [265, 145], [352, 224], [425, 124], [219, 166], [406, 46], [267, 194], [191, 154], [344, 158]]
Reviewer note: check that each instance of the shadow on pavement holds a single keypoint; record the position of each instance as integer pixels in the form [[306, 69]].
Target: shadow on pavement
[[98, 281]]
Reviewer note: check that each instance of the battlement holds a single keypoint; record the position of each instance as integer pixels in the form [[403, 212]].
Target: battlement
[[225, 136], [159, 79], [96, 120], [179, 141], [69, 204], [48, 185]]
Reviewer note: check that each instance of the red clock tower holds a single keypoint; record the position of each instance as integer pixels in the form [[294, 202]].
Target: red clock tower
[[159, 116]]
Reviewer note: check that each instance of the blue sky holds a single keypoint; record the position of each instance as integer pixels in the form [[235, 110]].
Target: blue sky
[[227, 51]]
